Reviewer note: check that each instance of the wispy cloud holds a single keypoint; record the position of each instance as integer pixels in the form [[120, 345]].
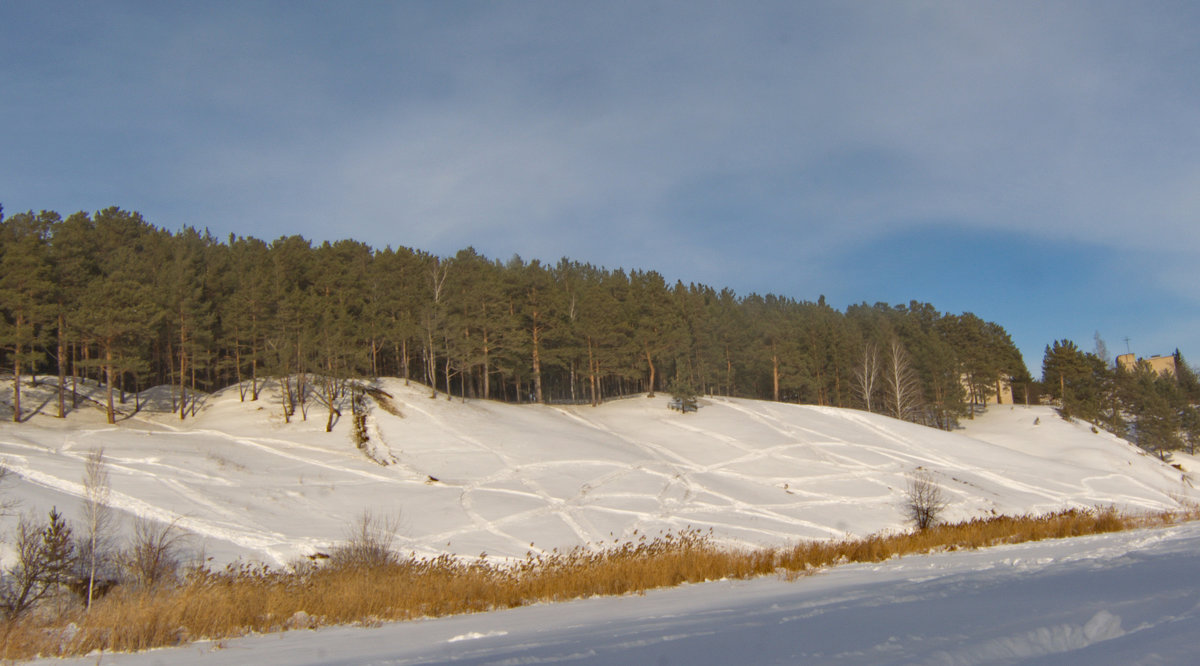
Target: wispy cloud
[[738, 145]]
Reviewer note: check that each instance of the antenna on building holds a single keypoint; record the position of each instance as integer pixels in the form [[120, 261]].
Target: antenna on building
[[1127, 350]]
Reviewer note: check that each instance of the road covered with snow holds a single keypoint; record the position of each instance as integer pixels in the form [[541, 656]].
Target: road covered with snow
[[1126, 598]]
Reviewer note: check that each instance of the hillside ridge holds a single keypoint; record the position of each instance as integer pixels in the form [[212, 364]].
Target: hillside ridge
[[479, 477]]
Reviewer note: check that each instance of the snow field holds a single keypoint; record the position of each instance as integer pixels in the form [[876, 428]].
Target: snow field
[[480, 477]]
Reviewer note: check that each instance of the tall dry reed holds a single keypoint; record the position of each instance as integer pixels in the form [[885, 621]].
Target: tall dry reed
[[254, 599]]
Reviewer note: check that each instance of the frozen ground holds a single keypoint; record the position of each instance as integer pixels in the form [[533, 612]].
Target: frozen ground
[[482, 477]]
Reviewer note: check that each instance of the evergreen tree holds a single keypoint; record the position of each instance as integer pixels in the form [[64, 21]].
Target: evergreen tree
[[1155, 401], [1078, 380], [25, 292], [73, 257], [119, 310], [656, 324], [134, 302]]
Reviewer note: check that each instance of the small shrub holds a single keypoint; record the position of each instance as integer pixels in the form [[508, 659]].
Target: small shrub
[[369, 544], [925, 499], [154, 556], [683, 396]]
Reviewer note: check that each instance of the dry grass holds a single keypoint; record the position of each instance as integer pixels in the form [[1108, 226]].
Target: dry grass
[[242, 600]]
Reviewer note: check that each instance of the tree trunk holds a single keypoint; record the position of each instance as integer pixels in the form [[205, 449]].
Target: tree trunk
[[182, 368], [537, 360], [775, 375], [17, 385], [430, 366], [650, 362], [62, 368], [374, 357], [74, 379], [254, 360], [192, 408], [237, 367], [592, 372], [108, 372], [487, 382], [728, 372]]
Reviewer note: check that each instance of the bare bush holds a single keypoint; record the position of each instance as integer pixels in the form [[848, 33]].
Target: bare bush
[[369, 543], [154, 556], [925, 499]]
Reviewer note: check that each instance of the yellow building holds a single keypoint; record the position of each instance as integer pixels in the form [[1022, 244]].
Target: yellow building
[[1000, 394], [1163, 365]]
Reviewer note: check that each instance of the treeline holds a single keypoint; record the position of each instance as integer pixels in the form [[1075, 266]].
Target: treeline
[[111, 297], [1156, 410]]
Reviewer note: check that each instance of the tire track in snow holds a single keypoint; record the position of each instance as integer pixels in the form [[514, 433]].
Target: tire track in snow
[[962, 466], [552, 504], [671, 509], [237, 533]]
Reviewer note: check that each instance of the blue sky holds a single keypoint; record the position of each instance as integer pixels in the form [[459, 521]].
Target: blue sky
[[1036, 163]]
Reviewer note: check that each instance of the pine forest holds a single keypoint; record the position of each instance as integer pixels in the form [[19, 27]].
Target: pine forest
[[113, 298]]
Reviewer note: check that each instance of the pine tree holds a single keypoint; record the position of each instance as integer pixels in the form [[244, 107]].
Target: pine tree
[[25, 292], [58, 550], [73, 260], [656, 325], [1076, 379]]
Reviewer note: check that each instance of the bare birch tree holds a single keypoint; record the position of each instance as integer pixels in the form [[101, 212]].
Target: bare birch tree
[[98, 519], [901, 384], [866, 375]]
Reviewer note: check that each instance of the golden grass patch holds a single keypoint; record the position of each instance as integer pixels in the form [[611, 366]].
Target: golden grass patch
[[254, 599]]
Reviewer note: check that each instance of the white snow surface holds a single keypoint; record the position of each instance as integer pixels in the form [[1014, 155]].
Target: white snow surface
[[477, 477]]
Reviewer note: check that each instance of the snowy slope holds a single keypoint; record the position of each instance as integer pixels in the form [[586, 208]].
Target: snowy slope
[[1120, 599], [474, 477]]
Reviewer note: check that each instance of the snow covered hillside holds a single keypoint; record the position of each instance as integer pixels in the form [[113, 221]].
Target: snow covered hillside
[[482, 477]]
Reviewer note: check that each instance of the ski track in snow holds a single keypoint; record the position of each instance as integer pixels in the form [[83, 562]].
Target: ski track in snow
[[516, 479]]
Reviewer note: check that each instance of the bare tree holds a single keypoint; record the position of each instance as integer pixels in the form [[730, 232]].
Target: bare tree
[[98, 519], [901, 384], [925, 498], [24, 581], [154, 555], [44, 557], [866, 375]]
